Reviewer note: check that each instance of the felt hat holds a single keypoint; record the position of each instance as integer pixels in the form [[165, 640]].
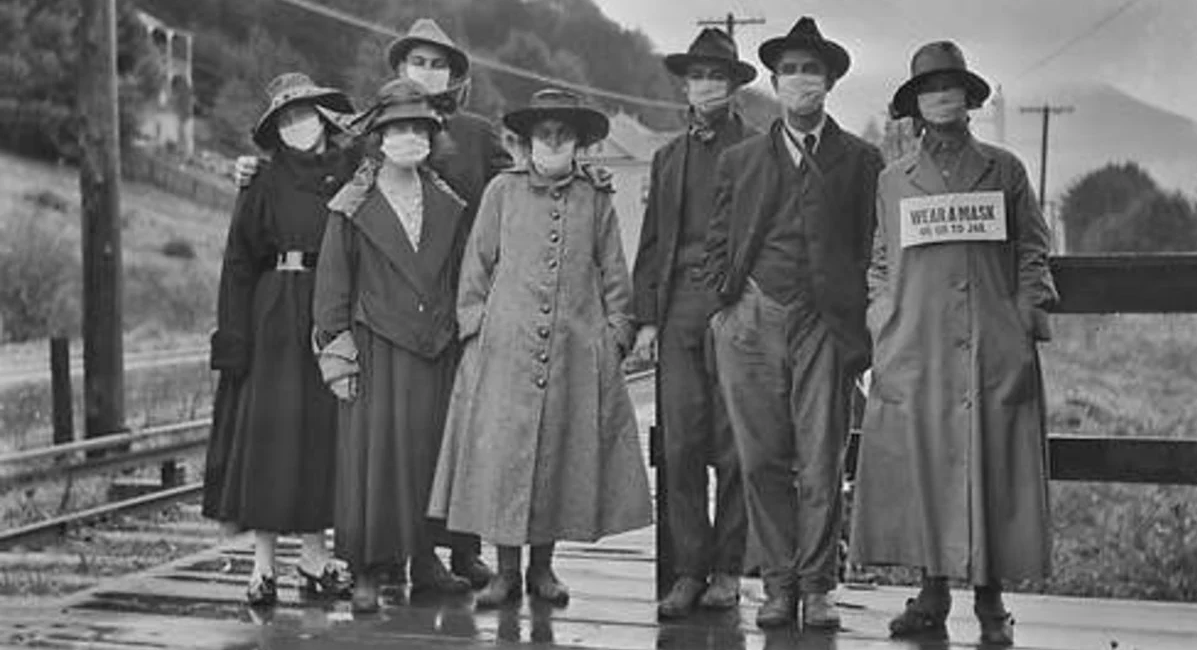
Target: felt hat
[[712, 46], [401, 100], [425, 31], [290, 88], [552, 103], [935, 58], [805, 35]]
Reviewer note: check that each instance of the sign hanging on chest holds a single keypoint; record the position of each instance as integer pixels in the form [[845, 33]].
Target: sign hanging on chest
[[948, 218]]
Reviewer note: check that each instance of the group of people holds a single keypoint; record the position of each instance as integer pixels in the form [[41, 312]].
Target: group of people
[[420, 340]]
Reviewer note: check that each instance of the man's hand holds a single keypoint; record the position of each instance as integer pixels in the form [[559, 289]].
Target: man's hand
[[245, 169], [646, 343], [345, 388]]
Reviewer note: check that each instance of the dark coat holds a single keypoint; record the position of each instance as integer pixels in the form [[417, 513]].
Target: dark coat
[[475, 156], [652, 277], [838, 217]]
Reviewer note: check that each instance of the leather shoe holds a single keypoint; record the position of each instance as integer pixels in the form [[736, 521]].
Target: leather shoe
[[473, 569], [679, 602], [499, 591], [543, 585], [920, 619], [722, 593], [819, 612], [997, 627], [429, 575], [778, 610]]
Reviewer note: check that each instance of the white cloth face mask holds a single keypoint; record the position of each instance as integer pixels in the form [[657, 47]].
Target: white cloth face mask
[[405, 149], [434, 80], [943, 106], [706, 94], [802, 93], [552, 161], [301, 129]]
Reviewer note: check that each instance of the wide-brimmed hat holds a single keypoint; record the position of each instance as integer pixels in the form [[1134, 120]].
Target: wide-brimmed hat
[[401, 100], [933, 58], [289, 88], [555, 104], [425, 31], [804, 35], [712, 46]]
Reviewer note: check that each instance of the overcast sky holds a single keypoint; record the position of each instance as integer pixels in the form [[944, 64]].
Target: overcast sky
[[1149, 50]]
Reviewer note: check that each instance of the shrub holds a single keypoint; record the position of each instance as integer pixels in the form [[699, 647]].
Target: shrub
[[176, 296], [39, 278], [179, 248], [48, 200]]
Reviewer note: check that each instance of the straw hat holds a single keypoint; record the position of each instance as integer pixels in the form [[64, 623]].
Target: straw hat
[[291, 88], [425, 31]]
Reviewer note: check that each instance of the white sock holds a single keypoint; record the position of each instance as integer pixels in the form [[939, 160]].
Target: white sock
[[264, 547], [313, 555]]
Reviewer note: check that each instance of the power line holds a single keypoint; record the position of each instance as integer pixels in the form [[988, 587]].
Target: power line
[[492, 64], [729, 23], [1096, 27]]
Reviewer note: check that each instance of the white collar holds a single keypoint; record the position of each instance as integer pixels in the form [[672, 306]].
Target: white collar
[[801, 135]]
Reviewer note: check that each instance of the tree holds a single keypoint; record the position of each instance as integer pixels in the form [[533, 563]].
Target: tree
[[1156, 222], [1099, 196]]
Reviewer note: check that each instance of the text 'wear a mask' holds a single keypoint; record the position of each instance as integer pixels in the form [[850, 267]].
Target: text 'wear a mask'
[[802, 93], [302, 134], [405, 149], [707, 94], [434, 81], [552, 161], [943, 106]]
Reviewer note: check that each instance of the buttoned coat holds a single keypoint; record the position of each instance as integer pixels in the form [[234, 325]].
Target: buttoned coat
[[837, 212], [953, 472], [541, 442], [660, 231]]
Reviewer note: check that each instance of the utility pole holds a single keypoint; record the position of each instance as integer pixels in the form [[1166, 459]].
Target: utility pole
[[1047, 111], [99, 185], [729, 23]]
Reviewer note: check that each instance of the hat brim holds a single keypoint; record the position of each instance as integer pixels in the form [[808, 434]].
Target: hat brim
[[591, 125], [384, 117], [330, 98], [459, 63], [832, 54], [741, 72], [905, 102]]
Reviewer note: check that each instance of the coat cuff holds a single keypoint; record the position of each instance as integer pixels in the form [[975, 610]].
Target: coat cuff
[[623, 332], [338, 358], [644, 307], [229, 352], [469, 321]]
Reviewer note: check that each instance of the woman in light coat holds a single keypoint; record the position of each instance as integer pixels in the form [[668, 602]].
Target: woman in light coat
[[541, 443]]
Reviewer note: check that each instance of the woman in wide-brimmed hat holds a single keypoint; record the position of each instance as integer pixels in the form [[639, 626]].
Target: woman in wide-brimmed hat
[[541, 442], [270, 466], [386, 288]]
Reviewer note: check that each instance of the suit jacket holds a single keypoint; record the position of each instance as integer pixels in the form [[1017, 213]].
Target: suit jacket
[[369, 273], [838, 217], [474, 157], [660, 231]]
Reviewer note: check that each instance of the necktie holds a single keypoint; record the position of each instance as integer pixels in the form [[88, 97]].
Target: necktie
[[808, 143]]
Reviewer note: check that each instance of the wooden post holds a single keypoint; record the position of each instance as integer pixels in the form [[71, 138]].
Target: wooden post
[[99, 178], [656, 458], [60, 390]]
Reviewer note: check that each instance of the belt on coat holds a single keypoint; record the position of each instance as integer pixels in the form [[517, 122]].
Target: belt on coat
[[295, 261]]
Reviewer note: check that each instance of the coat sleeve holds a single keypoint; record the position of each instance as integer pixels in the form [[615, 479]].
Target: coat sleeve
[[1036, 289], [478, 263], [245, 259], [646, 273], [717, 254], [616, 285], [877, 277], [332, 302]]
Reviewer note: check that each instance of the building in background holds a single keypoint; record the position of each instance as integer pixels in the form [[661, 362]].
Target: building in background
[[169, 121]]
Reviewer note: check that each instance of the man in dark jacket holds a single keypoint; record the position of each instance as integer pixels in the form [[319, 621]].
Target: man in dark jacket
[[787, 252], [672, 306]]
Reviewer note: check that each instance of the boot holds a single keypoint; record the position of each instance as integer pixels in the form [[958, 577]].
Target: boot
[[429, 575], [819, 612], [780, 608], [722, 593], [681, 598], [925, 615]]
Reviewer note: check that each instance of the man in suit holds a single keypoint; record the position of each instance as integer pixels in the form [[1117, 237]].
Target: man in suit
[[672, 306], [787, 251]]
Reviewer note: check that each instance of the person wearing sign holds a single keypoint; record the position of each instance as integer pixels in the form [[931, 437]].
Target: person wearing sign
[[671, 298], [787, 250], [952, 476]]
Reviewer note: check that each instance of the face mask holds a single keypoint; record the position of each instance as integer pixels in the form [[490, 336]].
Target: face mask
[[802, 93], [552, 162], [302, 134], [405, 149], [944, 106], [434, 81], [706, 94]]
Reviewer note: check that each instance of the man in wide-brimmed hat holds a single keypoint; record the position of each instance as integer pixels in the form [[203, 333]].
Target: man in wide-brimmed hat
[[952, 476], [672, 305], [786, 250]]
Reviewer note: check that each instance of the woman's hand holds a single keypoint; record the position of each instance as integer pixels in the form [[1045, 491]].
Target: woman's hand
[[345, 388]]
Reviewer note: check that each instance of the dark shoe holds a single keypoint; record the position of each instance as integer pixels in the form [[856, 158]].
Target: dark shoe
[[819, 612], [428, 575], [920, 620], [778, 611], [473, 569], [997, 627], [365, 594], [262, 591], [543, 585], [334, 581], [722, 593], [681, 598], [499, 591]]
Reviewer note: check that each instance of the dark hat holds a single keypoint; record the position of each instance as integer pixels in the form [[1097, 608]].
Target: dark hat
[[552, 103], [804, 35], [425, 31], [716, 47], [932, 58], [401, 100], [289, 88]]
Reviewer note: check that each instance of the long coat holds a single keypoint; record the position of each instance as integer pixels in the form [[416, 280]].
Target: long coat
[[952, 474], [837, 233], [541, 442]]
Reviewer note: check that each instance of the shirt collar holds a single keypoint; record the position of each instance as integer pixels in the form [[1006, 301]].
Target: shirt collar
[[801, 135]]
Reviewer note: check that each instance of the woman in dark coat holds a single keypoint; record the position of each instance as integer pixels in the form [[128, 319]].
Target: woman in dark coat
[[385, 328], [271, 456]]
